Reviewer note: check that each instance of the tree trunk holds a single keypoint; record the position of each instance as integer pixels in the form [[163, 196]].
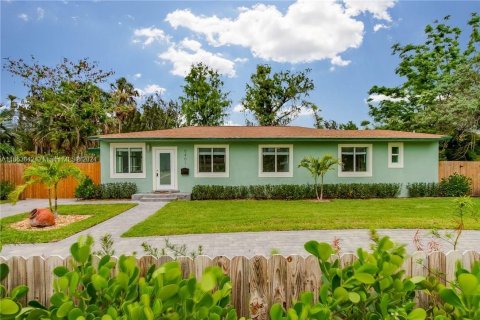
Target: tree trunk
[[56, 200], [50, 199], [316, 187], [321, 187]]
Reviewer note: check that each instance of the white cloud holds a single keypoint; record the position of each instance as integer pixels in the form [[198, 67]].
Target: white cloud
[[188, 52], [376, 98], [338, 61], [151, 89], [307, 31], [380, 26], [241, 60], [238, 108], [147, 36], [305, 112], [137, 75], [378, 8], [40, 13], [192, 45], [232, 123], [23, 16]]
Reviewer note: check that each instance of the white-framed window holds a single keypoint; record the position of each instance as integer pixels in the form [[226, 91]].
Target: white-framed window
[[355, 160], [127, 160], [275, 160], [211, 161], [395, 155]]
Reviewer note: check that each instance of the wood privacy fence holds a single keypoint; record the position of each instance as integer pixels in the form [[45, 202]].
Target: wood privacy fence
[[470, 169], [258, 282], [66, 189], [14, 171]]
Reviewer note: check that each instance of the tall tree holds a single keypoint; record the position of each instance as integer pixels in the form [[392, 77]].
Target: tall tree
[[277, 99], [320, 123], [67, 116], [36, 76], [458, 113], [204, 102], [350, 125], [154, 114], [7, 138], [73, 83], [433, 72], [123, 95], [6, 121]]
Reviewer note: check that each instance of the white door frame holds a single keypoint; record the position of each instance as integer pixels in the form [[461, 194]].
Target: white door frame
[[173, 167]]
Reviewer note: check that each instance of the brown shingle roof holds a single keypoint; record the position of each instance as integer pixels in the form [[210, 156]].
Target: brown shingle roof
[[250, 132]]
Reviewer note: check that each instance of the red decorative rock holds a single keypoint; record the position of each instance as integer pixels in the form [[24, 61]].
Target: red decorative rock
[[42, 218]]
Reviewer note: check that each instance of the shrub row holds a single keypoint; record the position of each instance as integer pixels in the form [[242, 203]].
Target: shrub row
[[119, 190], [296, 191], [455, 185]]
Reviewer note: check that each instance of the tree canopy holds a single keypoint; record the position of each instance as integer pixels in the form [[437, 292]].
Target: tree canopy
[[123, 95], [155, 114], [277, 99], [440, 93], [204, 102]]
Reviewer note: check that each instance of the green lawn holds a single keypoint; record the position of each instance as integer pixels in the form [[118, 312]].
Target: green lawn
[[99, 212], [184, 217]]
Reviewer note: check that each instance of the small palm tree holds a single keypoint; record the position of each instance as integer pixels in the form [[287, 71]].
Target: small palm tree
[[318, 167], [48, 172]]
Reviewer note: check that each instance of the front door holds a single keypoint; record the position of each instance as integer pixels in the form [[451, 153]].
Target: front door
[[165, 169]]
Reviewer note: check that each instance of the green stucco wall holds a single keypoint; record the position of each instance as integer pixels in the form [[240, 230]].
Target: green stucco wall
[[420, 163]]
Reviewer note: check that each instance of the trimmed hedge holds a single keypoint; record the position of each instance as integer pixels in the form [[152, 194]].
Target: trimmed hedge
[[456, 185], [423, 189], [119, 190], [296, 191]]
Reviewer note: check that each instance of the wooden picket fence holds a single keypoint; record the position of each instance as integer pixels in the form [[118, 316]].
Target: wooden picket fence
[[66, 189], [470, 169], [258, 282]]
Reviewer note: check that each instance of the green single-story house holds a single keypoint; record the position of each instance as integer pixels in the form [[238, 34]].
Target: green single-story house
[[180, 158]]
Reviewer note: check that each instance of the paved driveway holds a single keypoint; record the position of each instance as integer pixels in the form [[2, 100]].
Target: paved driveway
[[227, 244]]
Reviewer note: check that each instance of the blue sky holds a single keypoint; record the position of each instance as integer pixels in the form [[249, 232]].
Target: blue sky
[[347, 44]]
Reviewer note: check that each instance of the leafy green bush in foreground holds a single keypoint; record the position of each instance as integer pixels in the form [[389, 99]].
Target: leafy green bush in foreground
[[374, 287], [87, 291]]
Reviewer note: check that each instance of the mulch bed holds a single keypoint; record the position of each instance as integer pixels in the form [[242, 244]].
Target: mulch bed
[[60, 221]]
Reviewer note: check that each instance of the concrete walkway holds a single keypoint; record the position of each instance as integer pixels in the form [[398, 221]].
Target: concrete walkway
[[227, 244], [114, 226]]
